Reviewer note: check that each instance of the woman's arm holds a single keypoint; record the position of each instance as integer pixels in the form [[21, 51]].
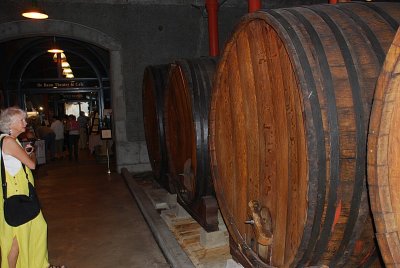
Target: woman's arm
[[11, 147]]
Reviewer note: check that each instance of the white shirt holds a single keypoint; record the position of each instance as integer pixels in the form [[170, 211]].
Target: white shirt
[[58, 128], [11, 164]]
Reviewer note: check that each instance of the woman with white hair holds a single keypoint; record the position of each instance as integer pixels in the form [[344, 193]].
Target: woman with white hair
[[25, 245]]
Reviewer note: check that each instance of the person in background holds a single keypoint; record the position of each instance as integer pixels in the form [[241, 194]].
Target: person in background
[[47, 134], [58, 127], [28, 135], [73, 136], [25, 245], [65, 121], [83, 121]]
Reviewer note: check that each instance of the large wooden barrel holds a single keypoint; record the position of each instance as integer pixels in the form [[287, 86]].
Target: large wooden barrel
[[383, 157], [154, 82], [288, 133], [187, 105]]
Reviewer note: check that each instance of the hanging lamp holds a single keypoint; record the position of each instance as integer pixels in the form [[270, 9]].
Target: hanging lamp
[[63, 57], [34, 12], [66, 71], [65, 64], [55, 49]]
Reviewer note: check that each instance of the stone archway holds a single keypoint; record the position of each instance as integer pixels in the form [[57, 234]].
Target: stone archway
[[22, 29]]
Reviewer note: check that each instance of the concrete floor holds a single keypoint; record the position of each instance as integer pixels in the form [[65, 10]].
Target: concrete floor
[[93, 221]]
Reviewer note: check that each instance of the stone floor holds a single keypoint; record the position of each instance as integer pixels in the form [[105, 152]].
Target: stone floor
[[93, 220]]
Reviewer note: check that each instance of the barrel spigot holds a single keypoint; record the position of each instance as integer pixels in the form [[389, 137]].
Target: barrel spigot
[[262, 223], [249, 222]]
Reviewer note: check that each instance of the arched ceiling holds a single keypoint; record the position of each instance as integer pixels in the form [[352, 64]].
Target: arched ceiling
[[30, 56]]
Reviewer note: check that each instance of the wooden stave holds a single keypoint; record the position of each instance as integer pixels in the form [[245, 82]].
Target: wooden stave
[[154, 82], [189, 91], [221, 195], [382, 171]]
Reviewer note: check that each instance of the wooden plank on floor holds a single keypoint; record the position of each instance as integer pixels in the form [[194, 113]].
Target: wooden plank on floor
[[165, 239]]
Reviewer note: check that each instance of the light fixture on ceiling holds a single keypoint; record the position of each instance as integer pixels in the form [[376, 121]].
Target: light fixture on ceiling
[[63, 57], [65, 64], [34, 12], [66, 71], [69, 76], [55, 49]]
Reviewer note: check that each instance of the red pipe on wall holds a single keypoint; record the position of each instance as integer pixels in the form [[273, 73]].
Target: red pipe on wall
[[212, 10], [254, 5]]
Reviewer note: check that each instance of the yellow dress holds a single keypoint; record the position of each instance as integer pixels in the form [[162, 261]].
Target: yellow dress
[[31, 236]]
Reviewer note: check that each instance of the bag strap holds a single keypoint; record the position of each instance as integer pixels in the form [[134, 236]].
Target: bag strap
[[3, 171]]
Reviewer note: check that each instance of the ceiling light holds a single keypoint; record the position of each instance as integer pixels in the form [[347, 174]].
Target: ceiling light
[[67, 71], [61, 54], [65, 64], [55, 48], [34, 12], [69, 76]]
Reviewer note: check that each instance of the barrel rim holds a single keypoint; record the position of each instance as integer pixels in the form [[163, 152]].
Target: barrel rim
[[379, 179]]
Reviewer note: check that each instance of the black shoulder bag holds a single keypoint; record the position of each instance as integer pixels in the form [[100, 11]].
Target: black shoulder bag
[[18, 209]]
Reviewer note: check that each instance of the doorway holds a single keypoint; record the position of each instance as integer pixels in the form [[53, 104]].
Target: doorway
[[75, 108], [126, 151]]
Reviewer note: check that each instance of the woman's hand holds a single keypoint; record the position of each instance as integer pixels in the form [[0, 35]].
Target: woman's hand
[[29, 149]]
